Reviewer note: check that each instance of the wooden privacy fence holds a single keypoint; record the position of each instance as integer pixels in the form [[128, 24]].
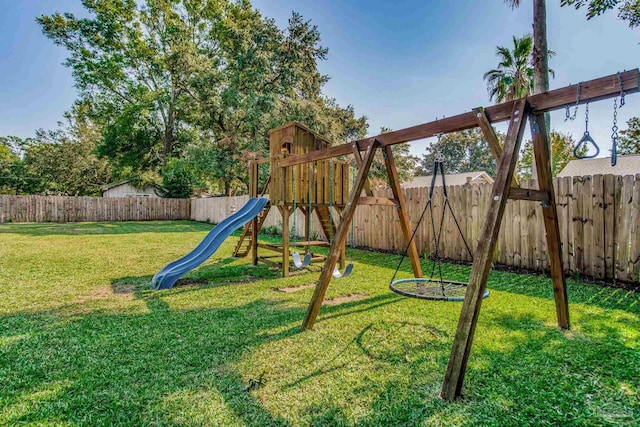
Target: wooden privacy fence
[[599, 224], [76, 209]]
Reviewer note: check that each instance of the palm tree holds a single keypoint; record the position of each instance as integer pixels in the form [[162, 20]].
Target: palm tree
[[539, 54], [513, 78]]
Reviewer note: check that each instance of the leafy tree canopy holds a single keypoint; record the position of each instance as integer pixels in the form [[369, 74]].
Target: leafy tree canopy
[[629, 142], [406, 164], [562, 145], [628, 10], [178, 179], [63, 161], [9, 163], [166, 78], [464, 151], [513, 78]]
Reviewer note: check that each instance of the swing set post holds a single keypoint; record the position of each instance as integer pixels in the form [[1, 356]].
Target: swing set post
[[339, 239], [454, 377], [505, 187], [405, 223]]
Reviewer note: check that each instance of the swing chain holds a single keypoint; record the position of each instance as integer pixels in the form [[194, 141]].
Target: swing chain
[[295, 208], [330, 201], [567, 111], [614, 128], [586, 119], [312, 174], [438, 155]]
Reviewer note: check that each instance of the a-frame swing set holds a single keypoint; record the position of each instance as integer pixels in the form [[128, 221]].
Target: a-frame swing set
[[517, 113]]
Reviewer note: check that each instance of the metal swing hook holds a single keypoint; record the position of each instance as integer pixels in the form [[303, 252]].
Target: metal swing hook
[[567, 108], [586, 138]]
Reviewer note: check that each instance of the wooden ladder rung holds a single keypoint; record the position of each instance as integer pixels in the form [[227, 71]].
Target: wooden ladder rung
[[311, 243]]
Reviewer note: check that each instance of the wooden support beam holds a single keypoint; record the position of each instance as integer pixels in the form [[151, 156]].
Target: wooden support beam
[[271, 247], [380, 201], [265, 187], [405, 222], [286, 212], [342, 259], [311, 243], [541, 150], [339, 239], [253, 177], [592, 90], [262, 160], [307, 228], [492, 139], [529, 194], [270, 262], [454, 377], [358, 156]]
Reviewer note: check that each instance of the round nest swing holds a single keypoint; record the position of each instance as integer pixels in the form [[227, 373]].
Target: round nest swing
[[431, 289], [435, 287]]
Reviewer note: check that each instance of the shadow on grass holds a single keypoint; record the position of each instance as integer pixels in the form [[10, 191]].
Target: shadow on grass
[[584, 379], [126, 369], [220, 273], [119, 369], [151, 368], [98, 228], [537, 285]]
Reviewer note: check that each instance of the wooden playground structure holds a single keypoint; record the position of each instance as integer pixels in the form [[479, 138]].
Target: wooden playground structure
[[302, 176], [313, 190]]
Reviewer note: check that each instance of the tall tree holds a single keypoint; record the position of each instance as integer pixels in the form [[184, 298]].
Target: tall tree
[[146, 68], [514, 76], [64, 160], [464, 151], [162, 75], [629, 142], [9, 161], [540, 52]]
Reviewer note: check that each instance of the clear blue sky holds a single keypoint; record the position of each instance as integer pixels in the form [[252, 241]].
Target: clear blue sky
[[400, 62]]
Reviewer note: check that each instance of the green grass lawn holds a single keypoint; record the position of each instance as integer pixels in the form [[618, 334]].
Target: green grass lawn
[[84, 342]]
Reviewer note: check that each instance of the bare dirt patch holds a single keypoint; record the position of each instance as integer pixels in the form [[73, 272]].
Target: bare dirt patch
[[124, 288], [187, 282], [293, 289], [345, 298], [100, 294]]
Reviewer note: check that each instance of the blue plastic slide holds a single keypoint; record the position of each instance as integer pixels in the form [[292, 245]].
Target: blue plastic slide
[[167, 277]]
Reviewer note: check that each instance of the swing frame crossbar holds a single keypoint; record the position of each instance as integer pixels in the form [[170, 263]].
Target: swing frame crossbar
[[505, 187]]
